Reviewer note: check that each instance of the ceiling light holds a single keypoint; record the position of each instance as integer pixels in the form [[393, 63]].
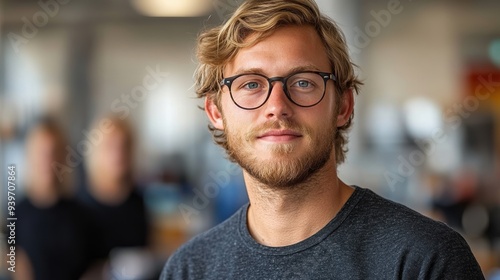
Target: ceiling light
[[173, 8]]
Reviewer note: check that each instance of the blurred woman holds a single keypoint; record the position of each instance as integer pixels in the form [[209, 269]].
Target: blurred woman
[[111, 196], [52, 229]]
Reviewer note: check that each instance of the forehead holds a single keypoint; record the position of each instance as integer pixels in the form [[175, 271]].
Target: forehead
[[287, 48]]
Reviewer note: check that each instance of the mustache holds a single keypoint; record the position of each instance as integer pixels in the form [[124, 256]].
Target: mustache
[[275, 125]]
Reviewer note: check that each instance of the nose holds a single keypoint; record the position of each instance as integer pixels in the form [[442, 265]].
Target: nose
[[278, 105]]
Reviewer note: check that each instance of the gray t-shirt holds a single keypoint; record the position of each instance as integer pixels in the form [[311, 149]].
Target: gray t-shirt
[[370, 238]]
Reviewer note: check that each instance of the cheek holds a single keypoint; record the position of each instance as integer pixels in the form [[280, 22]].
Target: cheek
[[232, 117], [331, 105], [232, 126], [236, 125], [321, 115]]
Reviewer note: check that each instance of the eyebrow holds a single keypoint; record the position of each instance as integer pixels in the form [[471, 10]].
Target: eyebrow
[[307, 67]]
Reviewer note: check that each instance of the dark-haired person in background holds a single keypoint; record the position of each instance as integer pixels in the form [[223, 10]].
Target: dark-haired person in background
[[111, 197], [279, 92], [52, 229]]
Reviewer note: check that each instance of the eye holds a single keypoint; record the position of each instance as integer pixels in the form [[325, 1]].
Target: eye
[[303, 83], [251, 85]]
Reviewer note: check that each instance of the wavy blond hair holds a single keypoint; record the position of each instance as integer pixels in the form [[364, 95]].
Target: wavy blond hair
[[218, 45]]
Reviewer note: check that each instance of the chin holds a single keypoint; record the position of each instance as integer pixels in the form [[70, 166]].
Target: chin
[[279, 149]]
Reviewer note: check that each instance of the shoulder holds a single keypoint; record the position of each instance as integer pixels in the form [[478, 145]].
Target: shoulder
[[136, 193], [204, 248], [390, 216], [433, 245], [24, 205]]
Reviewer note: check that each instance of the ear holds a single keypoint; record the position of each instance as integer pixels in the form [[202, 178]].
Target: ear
[[213, 113], [346, 108]]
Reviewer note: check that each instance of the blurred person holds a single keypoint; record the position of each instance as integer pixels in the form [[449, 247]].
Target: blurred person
[[111, 196], [457, 193], [279, 91], [52, 228]]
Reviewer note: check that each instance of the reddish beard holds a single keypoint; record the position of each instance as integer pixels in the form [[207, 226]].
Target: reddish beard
[[286, 168]]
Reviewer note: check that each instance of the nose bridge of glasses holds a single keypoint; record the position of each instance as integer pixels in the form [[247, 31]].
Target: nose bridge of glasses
[[277, 79]]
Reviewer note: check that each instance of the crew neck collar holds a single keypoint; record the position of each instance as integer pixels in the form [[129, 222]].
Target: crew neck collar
[[323, 233]]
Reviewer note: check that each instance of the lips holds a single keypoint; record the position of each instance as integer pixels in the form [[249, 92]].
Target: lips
[[279, 135]]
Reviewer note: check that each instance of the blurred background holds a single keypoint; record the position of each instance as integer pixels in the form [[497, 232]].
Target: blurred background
[[99, 117]]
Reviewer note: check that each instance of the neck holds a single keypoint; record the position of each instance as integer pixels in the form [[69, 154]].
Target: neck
[[282, 217], [42, 195]]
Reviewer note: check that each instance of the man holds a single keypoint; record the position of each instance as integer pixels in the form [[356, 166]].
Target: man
[[278, 87]]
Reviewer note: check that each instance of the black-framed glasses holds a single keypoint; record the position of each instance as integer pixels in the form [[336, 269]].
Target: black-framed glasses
[[304, 89]]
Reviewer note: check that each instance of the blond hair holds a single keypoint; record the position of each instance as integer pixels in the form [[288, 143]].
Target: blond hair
[[217, 46]]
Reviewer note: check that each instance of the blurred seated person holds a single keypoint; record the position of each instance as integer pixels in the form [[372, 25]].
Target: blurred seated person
[[111, 197], [51, 227]]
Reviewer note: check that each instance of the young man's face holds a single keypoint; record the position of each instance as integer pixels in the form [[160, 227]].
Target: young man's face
[[281, 144]]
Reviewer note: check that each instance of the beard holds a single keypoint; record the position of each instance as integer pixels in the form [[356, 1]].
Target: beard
[[285, 167]]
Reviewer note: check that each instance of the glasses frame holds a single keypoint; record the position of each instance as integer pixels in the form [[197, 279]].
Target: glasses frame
[[325, 75]]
